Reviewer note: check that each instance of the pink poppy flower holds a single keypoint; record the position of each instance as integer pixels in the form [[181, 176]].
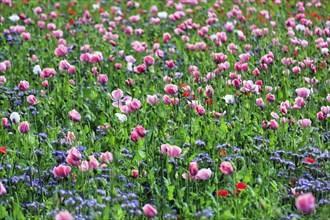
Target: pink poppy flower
[[304, 123], [102, 78], [260, 102], [57, 34], [152, 100], [320, 115], [135, 173], [84, 166], [303, 92], [71, 69], [140, 131], [70, 137], [226, 168], [116, 95], [325, 109], [23, 85], [306, 203], [31, 99], [172, 151], [5, 122], [3, 67], [106, 157], [61, 171], [171, 89], [74, 157], [140, 69], [96, 57], [219, 115], [149, 211], [200, 110], [160, 54], [3, 190], [47, 72], [170, 63], [270, 97], [74, 115], [135, 18], [134, 136], [64, 65], [85, 57], [274, 115], [273, 124], [299, 103], [93, 163], [148, 60], [204, 174], [193, 168], [166, 37], [61, 51], [63, 215], [26, 36]]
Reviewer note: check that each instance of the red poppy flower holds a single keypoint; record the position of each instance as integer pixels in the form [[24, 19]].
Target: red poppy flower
[[72, 12], [3, 150], [295, 53], [321, 66], [209, 101], [222, 192], [293, 181], [140, 11], [309, 160], [183, 85], [240, 186], [223, 153], [185, 94]]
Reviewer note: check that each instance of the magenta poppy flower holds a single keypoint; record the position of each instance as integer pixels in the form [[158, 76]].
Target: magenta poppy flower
[[24, 127]]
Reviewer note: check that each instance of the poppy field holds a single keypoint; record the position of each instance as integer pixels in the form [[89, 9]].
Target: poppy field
[[169, 109]]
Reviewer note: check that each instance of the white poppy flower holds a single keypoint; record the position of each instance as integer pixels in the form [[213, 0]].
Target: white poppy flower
[[130, 66], [229, 99], [121, 117], [37, 70], [300, 27], [14, 117], [162, 14], [14, 18]]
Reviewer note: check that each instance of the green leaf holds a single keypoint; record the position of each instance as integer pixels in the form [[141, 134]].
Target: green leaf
[[228, 215], [170, 191], [223, 127], [18, 212], [3, 212], [142, 153]]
